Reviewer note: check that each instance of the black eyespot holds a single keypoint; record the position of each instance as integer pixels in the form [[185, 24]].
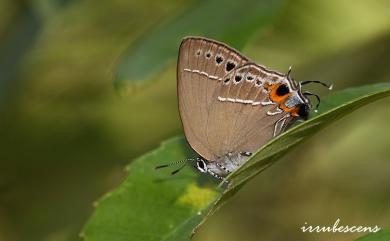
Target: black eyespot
[[218, 59], [258, 82], [249, 77], [237, 78], [201, 164], [226, 80], [230, 66], [282, 90], [303, 111], [198, 53], [208, 55]]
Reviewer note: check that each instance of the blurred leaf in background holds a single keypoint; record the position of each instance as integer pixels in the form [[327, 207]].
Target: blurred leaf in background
[[66, 134], [18, 31], [229, 21]]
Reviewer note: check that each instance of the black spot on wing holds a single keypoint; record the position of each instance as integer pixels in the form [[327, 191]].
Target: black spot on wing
[[218, 59], [282, 90], [230, 65]]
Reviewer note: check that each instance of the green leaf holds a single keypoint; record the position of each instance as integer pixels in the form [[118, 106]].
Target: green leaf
[[152, 205], [229, 21], [383, 235]]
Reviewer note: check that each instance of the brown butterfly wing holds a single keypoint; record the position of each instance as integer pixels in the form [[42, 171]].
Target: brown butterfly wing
[[202, 64], [238, 120], [221, 99]]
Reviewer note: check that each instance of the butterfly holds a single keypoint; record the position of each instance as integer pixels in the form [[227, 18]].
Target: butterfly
[[230, 106]]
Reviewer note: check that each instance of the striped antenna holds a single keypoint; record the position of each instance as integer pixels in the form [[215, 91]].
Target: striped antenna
[[330, 87], [185, 161]]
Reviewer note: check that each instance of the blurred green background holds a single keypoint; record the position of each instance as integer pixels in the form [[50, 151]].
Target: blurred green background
[[66, 133]]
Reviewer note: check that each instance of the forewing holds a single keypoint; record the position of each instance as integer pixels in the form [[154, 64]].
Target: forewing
[[202, 64]]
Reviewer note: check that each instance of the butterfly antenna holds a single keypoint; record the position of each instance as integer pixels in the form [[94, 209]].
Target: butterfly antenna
[[307, 93], [317, 82], [178, 170], [289, 72], [174, 163]]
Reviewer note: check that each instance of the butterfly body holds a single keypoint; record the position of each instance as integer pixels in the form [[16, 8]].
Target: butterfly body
[[223, 165], [230, 106]]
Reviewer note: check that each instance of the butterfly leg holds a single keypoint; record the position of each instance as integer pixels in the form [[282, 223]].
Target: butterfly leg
[[280, 125], [215, 174]]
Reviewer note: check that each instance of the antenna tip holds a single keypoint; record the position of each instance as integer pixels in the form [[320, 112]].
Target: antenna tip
[[316, 111], [162, 166], [331, 87]]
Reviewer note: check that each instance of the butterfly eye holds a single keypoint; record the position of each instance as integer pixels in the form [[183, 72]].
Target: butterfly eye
[[282, 90], [201, 165]]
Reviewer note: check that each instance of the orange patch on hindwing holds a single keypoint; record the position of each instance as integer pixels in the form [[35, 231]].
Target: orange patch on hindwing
[[279, 93]]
